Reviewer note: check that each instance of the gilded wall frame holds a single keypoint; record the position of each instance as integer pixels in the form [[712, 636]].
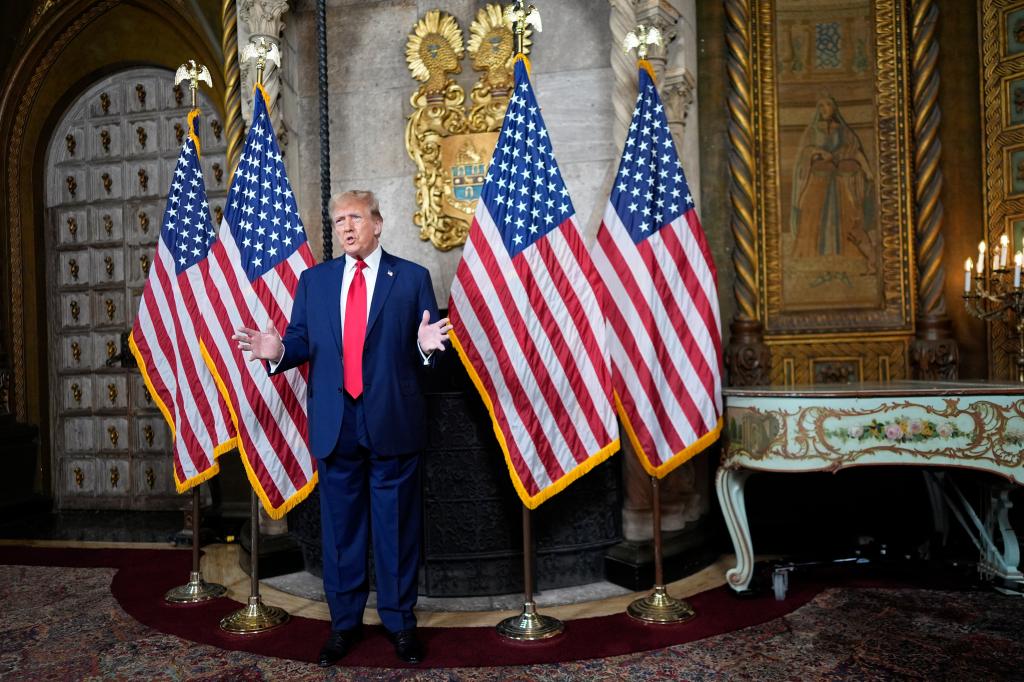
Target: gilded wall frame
[[1002, 113], [832, 199]]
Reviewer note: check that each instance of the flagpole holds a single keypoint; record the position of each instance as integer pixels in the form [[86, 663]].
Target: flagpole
[[529, 625], [658, 607], [196, 589], [255, 617]]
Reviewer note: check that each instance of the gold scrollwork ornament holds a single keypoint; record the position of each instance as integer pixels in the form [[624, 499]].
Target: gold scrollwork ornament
[[451, 148], [76, 393], [76, 351], [112, 435], [147, 433]]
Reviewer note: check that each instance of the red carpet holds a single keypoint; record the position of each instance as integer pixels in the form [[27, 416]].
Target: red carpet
[[145, 575]]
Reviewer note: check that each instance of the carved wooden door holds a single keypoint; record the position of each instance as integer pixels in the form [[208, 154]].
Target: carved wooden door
[[109, 165]]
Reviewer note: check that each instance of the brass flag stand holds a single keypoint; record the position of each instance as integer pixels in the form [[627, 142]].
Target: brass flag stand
[[529, 625], [256, 617], [658, 607], [196, 590]]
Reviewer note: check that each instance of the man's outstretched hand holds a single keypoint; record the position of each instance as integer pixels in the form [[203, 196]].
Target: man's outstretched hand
[[260, 345], [431, 337]]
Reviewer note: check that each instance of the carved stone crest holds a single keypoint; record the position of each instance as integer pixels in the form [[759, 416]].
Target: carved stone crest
[[452, 147]]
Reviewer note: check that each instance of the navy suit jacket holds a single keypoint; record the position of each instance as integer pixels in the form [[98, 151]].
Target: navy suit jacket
[[393, 402]]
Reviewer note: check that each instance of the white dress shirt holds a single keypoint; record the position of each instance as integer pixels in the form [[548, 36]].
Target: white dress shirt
[[369, 274]]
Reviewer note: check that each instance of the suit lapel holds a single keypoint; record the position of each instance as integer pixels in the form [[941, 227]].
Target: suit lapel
[[334, 294], [386, 275]]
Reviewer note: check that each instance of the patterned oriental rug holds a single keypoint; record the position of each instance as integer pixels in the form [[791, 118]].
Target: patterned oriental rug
[[99, 614]]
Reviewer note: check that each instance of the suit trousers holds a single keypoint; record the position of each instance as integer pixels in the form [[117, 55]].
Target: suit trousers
[[364, 494]]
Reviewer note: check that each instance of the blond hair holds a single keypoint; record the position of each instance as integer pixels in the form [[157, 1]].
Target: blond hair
[[363, 196]]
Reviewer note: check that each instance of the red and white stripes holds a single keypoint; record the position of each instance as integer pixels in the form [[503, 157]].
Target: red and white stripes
[[530, 329]]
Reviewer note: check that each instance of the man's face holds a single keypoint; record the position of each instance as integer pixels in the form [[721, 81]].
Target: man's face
[[355, 228]]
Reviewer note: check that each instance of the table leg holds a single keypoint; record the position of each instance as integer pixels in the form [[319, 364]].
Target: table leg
[[1004, 563], [729, 484]]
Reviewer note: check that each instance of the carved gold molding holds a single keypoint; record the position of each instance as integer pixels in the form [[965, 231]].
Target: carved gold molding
[[1002, 148], [757, 66], [838, 361], [450, 147]]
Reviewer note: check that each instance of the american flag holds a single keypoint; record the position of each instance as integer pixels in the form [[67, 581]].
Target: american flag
[[164, 338], [661, 298], [525, 313], [251, 276]]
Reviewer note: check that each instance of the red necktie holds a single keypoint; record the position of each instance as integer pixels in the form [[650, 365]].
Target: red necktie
[[355, 332]]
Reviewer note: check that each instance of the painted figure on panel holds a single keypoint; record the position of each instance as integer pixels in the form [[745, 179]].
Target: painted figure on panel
[[833, 191]]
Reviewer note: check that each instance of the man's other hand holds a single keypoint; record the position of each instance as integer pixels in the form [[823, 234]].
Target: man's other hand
[[431, 337], [260, 345]]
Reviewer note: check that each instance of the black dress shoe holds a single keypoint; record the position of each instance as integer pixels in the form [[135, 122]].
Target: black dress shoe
[[407, 646], [337, 645]]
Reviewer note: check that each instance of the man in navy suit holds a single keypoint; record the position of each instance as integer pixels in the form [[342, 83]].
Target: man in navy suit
[[362, 322]]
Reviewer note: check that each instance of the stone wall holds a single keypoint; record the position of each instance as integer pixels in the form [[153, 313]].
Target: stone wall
[[370, 88]]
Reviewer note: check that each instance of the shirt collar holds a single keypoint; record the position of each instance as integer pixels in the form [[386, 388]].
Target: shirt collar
[[372, 261]]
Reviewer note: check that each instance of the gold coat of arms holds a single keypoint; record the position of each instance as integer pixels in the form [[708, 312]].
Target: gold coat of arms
[[452, 147]]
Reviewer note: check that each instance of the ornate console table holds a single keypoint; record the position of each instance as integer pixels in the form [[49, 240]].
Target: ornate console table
[[968, 425]]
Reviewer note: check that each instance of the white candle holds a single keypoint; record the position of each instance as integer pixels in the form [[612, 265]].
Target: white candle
[[1004, 249], [1017, 259], [981, 256], [968, 268]]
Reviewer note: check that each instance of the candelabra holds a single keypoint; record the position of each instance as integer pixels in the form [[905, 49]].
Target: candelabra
[[1001, 297]]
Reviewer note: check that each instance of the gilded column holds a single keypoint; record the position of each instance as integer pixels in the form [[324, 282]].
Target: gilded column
[[232, 93], [747, 356], [935, 354]]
